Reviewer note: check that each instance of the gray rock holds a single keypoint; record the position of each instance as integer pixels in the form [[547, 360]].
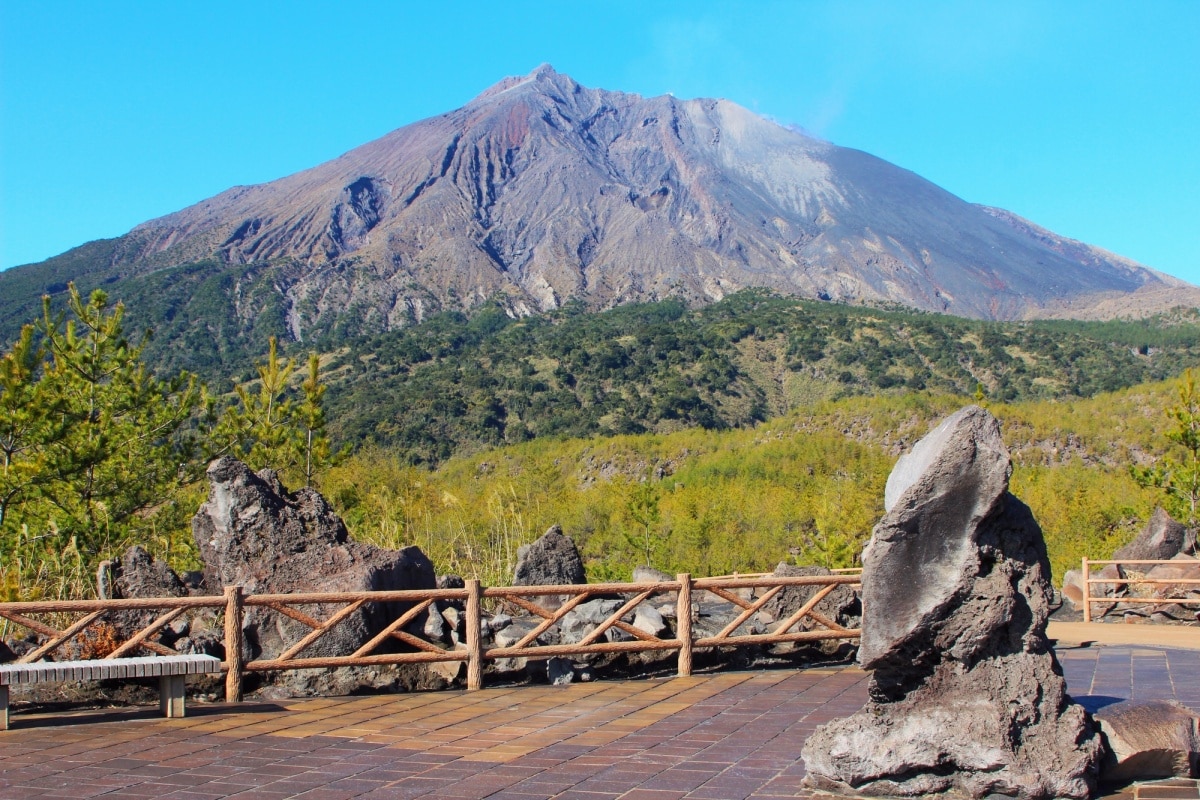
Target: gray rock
[[1149, 739], [552, 560], [644, 574], [649, 620], [138, 574], [510, 634], [450, 582], [1162, 538], [499, 621], [252, 533], [434, 627], [965, 694], [926, 545], [584, 618]]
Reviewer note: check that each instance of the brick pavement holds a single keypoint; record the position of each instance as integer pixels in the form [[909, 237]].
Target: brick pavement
[[722, 737]]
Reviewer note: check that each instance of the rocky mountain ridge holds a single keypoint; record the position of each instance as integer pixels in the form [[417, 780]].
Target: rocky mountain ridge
[[540, 191]]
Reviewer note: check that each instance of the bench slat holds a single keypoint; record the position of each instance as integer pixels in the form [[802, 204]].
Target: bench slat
[[139, 667]]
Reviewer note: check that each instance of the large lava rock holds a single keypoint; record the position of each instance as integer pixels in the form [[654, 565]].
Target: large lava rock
[[1161, 540], [253, 533], [966, 695], [551, 560]]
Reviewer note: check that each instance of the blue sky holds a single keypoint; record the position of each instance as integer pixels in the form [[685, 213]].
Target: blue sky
[[1081, 116]]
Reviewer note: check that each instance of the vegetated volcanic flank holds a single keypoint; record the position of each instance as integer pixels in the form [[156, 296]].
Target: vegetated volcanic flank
[[540, 190]]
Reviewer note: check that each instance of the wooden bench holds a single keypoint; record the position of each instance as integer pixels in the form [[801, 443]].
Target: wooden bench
[[170, 671]]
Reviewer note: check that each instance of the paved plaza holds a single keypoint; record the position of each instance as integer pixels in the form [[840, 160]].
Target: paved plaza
[[726, 736]]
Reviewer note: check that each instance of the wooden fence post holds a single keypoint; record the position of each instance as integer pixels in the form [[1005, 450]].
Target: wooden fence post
[[1087, 590], [683, 623], [233, 644], [474, 636]]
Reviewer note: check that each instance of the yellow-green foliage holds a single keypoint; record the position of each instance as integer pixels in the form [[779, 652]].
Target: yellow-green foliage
[[806, 488], [722, 502]]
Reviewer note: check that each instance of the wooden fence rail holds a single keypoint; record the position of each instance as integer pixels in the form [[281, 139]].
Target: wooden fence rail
[[1088, 581], [322, 612]]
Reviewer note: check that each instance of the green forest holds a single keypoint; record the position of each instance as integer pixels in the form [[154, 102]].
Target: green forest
[[715, 440]]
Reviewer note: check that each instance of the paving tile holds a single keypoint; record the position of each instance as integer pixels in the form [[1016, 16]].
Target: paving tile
[[715, 737]]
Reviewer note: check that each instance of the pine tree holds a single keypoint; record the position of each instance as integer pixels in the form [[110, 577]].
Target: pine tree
[[24, 422], [92, 446], [113, 450], [268, 428], [311, 416]]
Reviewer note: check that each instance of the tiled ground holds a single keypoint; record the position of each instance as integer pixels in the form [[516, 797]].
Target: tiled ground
[[724, 737]]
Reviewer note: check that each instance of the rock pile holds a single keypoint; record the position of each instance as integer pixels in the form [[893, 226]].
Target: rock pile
[[253, 533], [965, 693], [1163, 539]]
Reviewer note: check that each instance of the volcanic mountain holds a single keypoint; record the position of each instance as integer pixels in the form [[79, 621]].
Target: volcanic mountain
[[541, 190]]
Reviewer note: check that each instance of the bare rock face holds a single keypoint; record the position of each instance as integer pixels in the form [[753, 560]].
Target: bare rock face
[[552, 560], [966, 695], [1162, 538], [253, 533], [139, 574], [1152, 739]]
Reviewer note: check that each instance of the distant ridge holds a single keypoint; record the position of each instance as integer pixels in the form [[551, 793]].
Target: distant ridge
[[541, 191]]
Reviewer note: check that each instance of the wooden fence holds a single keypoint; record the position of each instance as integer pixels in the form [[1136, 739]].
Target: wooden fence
[[1088, 582], [747, 594]]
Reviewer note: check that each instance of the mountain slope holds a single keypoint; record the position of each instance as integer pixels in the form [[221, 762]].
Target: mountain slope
[[541, 190]]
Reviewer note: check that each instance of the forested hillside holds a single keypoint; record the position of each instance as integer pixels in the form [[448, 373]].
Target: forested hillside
[[721, 439], [457, 384], [804, 488]]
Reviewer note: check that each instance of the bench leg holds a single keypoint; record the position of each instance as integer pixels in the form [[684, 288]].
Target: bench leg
[[3, 708], [170, 695]]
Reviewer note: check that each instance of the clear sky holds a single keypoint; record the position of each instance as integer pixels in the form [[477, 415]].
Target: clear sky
[[1081, 116]]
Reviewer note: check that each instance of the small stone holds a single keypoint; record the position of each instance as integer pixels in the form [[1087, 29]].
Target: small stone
[[649, 620], [644, 574], [510, 634], [450, 582], [585, 618], [560, 671], [434, 628], [449, 671], [499, 622]]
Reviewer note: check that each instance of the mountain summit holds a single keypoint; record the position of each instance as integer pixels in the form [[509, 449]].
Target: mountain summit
[[541, 190]]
